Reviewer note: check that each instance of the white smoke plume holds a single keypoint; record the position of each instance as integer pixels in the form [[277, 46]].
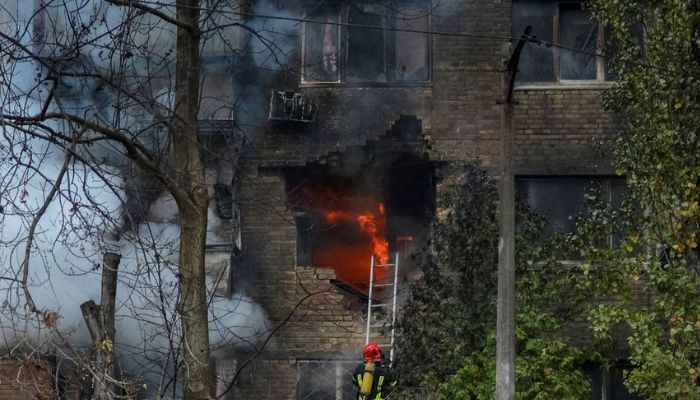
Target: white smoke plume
[[89, 207]]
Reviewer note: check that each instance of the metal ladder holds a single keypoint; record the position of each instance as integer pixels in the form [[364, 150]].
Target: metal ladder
[[372, 304]]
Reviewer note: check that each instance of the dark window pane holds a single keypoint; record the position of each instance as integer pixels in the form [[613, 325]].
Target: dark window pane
[[557, 199], [317, 380], [224, 201], [618, 390], [365, 57], [321, 47], [577, 31], [595, 375], [618, 193], [411, 51], [610, 49], [536, 62]]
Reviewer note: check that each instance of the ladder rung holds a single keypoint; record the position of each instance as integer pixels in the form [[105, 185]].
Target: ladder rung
[[380, 326], [381, 305], [382, 284], [383, 265]]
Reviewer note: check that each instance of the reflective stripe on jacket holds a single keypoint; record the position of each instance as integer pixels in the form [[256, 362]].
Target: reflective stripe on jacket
[[382, 375]]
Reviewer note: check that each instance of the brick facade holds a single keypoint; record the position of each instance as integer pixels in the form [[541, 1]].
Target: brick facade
[[26, 381], [558, 131]]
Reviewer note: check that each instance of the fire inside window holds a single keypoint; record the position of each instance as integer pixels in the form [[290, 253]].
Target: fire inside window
[[367, 43], [577, 40]]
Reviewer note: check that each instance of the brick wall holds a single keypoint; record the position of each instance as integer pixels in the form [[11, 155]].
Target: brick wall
[[562, 131], [322, 323], [26, 381], [557, 131]]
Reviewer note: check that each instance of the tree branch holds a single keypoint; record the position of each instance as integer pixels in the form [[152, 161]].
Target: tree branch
[[165, 17]]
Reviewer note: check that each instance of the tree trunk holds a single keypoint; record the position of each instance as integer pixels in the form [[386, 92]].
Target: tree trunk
[[99, 320], [110, 266], [192, 205]]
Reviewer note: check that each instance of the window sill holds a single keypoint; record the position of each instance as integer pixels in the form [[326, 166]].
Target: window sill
[[571, 85]]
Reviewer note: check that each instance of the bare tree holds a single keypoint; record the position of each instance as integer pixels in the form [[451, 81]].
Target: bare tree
[[115, 87]]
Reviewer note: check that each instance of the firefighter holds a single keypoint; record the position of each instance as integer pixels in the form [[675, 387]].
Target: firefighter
[[374, 380]]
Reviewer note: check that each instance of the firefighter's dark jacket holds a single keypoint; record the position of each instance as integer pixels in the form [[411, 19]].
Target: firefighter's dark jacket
[[383, 384]]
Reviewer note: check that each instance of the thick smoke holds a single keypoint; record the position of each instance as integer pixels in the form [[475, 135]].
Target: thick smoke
[[270, 48], [87, 215]]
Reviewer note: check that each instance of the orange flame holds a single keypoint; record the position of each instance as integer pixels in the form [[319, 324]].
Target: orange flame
[[371, 223], [368, 223], [351, 259]]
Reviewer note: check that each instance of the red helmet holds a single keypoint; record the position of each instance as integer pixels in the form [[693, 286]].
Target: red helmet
[[372, 352]]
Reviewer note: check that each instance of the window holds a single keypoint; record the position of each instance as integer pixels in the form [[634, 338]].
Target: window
[[559, 198], [609, 383], [366, 43], [224, 201], [325, 380], [576, 36]]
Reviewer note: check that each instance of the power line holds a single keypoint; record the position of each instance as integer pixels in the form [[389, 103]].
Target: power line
[[531, 39]]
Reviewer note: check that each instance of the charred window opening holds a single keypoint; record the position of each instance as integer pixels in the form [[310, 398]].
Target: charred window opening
[[367, 43], [365, 59], [224, 201], [322, 47], [345, 215], [577, 39], [411, 55]]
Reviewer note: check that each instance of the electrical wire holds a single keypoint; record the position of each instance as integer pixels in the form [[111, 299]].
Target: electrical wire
[[530, 38]]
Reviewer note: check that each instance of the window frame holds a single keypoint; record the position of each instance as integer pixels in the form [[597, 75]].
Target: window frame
[[341, 367], [600, 62], [389, 24], [604, 183]]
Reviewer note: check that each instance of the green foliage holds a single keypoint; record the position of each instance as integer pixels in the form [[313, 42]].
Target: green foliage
[[658, 150], [452, 307], [447, 335]]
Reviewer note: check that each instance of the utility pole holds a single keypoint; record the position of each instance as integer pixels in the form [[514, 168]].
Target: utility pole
[[505, 320]]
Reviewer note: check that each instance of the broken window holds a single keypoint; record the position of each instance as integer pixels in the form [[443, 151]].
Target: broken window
[[411, 46], [366, 43], [224, 201], [325, 380], [322, 47], [569, 43], [365, 59]]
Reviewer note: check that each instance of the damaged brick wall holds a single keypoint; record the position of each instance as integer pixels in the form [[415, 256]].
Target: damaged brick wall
[[460, 119], [318, 321]]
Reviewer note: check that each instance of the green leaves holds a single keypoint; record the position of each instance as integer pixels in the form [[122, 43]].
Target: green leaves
[[450, 315], [654, 274]]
